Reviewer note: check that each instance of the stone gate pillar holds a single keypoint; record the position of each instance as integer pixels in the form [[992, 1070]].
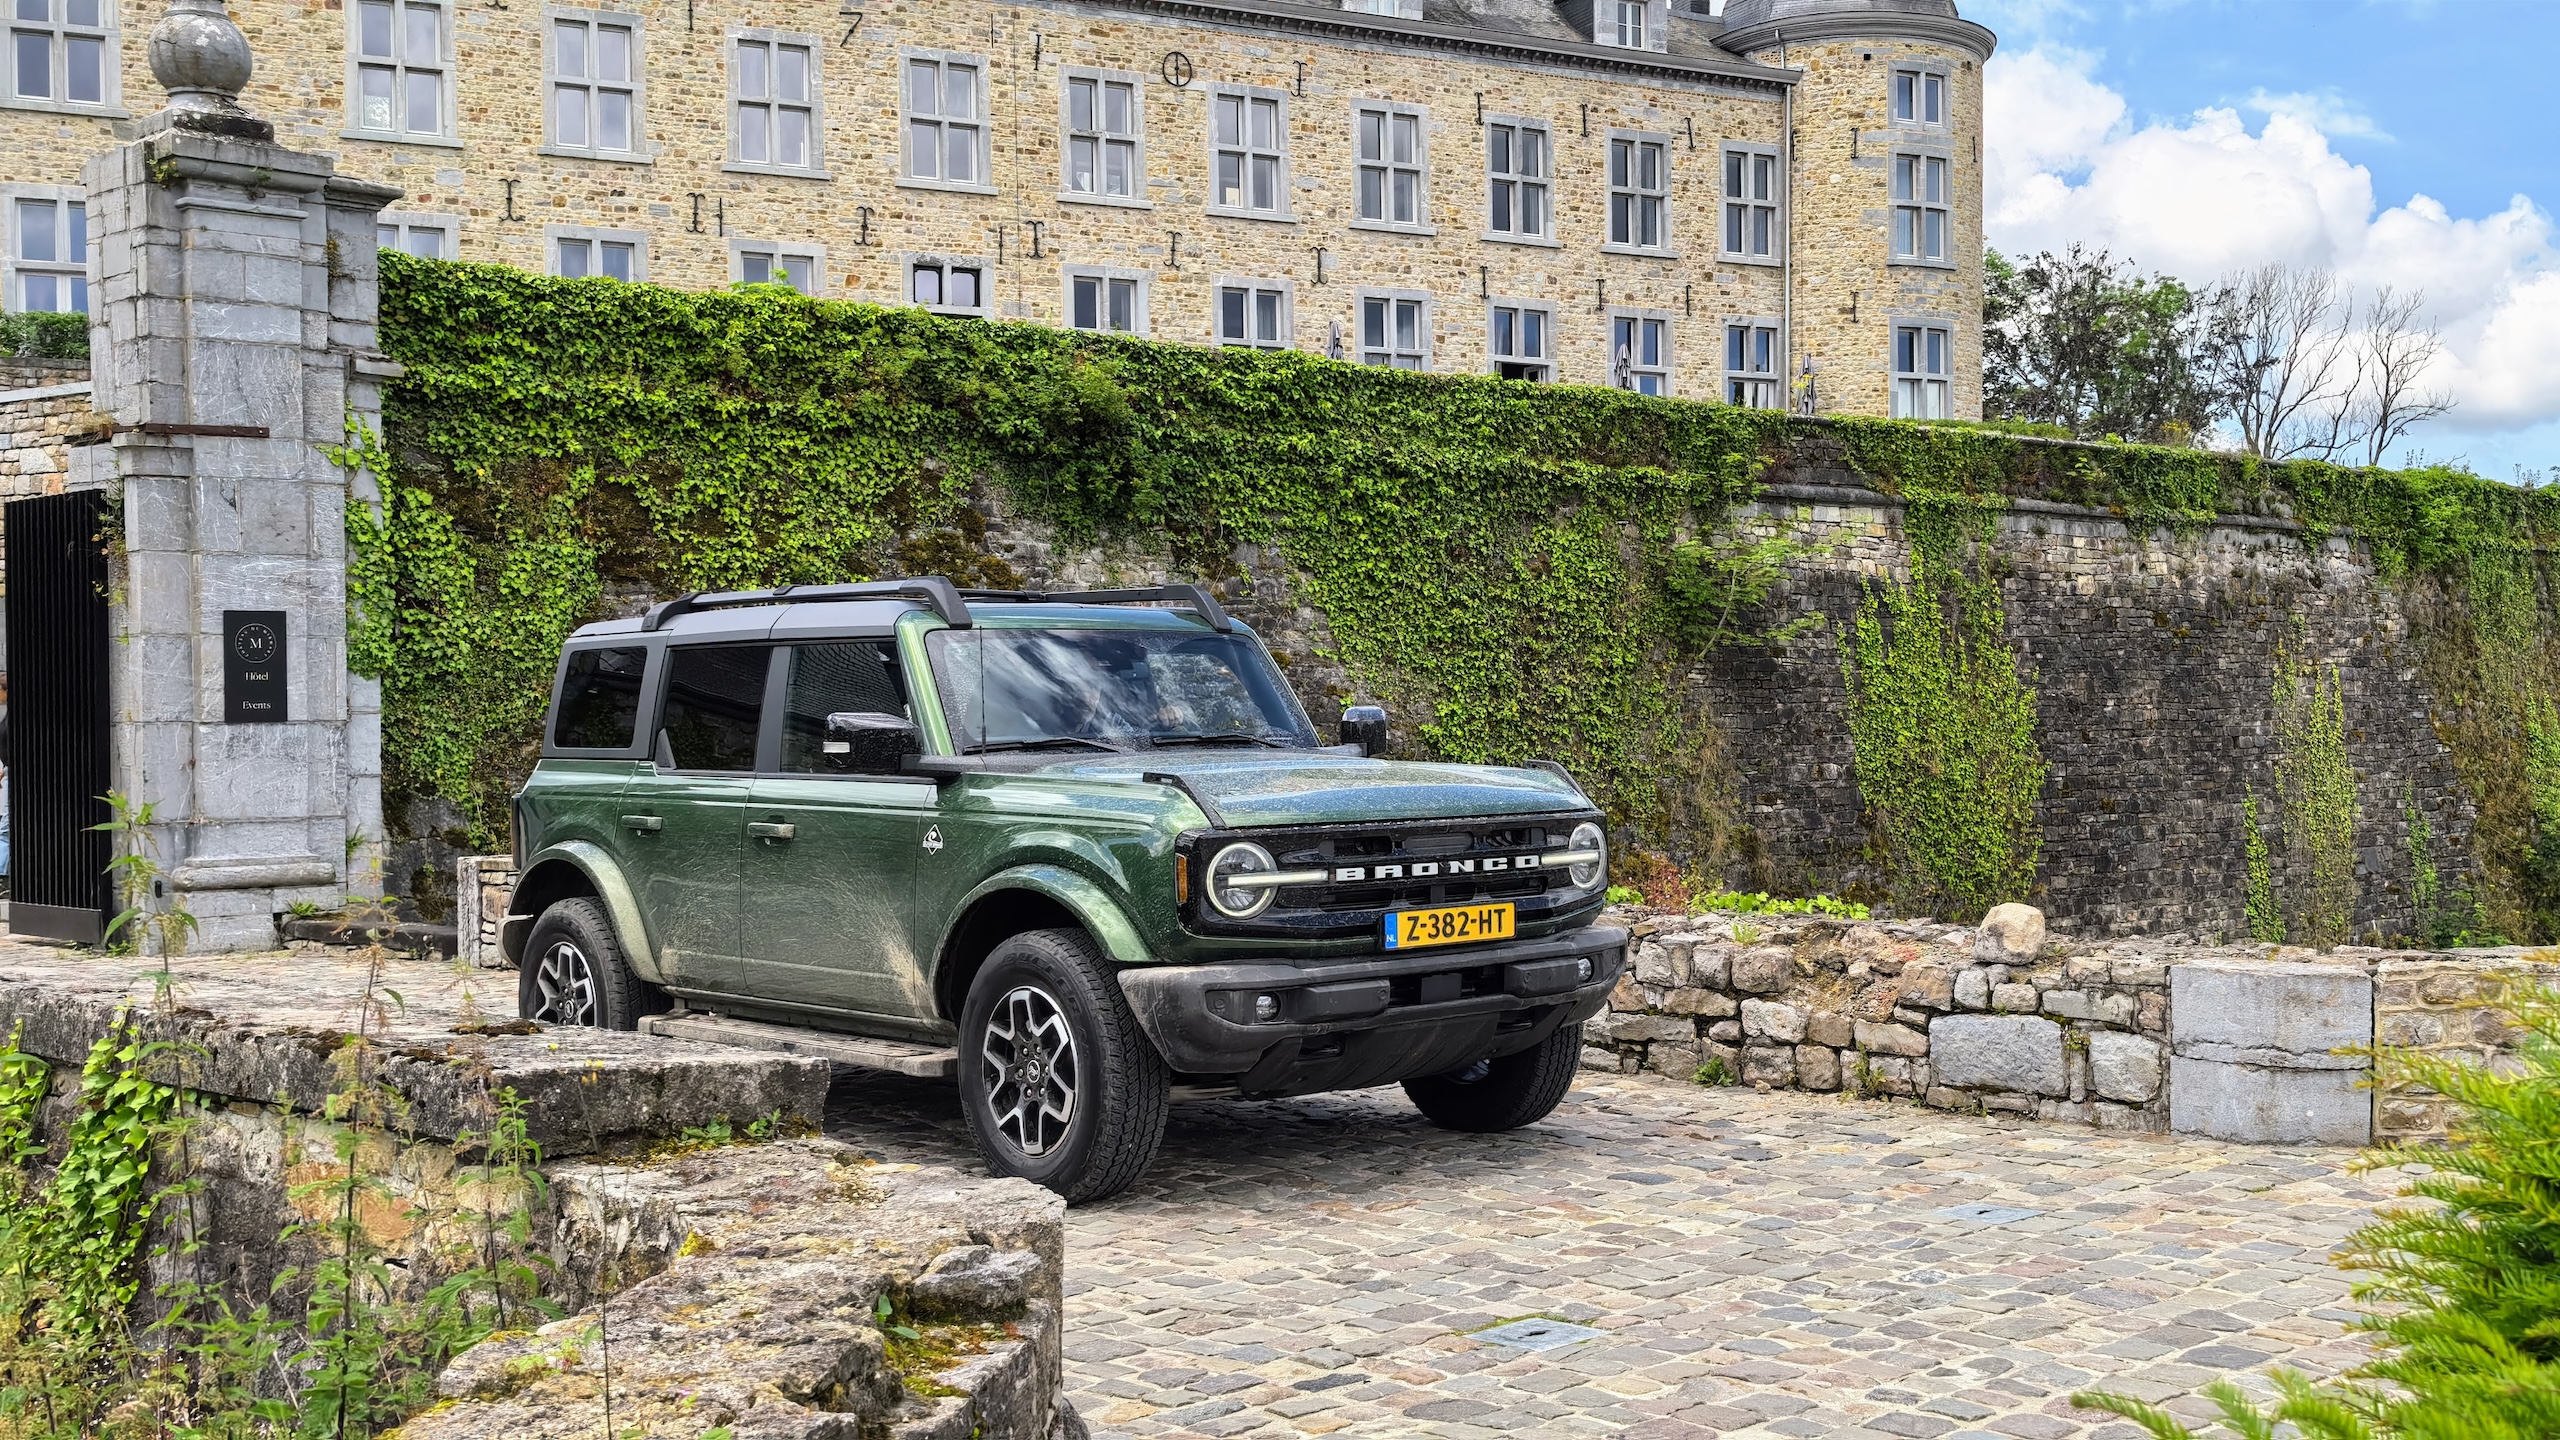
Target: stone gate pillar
[[233, 344]]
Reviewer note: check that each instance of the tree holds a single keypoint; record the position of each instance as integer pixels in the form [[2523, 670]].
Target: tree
[[2083, 341], [2395, 353], [2301, 376]]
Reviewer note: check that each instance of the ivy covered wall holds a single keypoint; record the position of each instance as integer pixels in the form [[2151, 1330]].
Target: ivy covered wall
[[1718, 617]]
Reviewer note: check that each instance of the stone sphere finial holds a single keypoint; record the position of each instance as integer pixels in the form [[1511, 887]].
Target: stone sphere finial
[[200, 57]]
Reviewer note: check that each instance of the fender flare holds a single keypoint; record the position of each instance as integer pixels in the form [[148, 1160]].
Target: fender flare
[[1092, 906], [612, 889]]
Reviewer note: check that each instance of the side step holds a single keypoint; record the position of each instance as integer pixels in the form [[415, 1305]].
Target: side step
[[897, 1056]]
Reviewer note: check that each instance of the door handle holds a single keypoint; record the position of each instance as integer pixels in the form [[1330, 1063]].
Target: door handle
[[769, 830], [645, 824]]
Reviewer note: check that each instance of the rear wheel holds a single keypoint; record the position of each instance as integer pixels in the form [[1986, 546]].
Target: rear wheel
[[1504, 1093], [574, 972], [1058, 1083]]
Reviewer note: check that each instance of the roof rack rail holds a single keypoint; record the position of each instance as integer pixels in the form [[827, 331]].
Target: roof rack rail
[[937, 593], [1182, 594]]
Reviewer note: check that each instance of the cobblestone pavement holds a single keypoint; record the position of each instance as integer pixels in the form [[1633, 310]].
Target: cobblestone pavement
[[1768, 1265]]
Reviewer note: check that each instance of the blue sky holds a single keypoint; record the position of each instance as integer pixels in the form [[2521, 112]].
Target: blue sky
[[2400, 142]]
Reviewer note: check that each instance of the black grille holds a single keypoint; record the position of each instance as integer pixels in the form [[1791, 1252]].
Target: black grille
[[1432, 846], [58, 763]]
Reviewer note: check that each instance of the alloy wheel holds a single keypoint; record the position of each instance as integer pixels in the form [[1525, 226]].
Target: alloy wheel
[[566, 981], [1031, 1070]]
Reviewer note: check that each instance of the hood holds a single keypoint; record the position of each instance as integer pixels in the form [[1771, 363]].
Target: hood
[[1297, 788]]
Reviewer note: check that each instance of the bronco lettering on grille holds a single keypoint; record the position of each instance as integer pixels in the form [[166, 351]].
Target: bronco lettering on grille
[[1489, 864]]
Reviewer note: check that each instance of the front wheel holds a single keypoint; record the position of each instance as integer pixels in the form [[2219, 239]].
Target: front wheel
[[1057, 1082], [1504, 1093], [574, 972]]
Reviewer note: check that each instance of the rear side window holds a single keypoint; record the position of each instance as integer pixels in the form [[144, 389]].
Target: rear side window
[[600, 700], [715, 700], [826, 679]]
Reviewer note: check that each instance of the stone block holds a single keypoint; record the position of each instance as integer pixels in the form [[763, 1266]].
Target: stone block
[[2010, 934], [2124, 1067], [1892, 1075], [1725, 1032], [1764, 971], [1711, 966], [2089, 1005], [1626, 995], [2086, 971], [1711, 1003], [1772, 1020], [2285, 1015], [2007, 1103], [1770, 1065], [2419, 1029], [1597, 1058], [2015, 998], [1642, 1029], [1928, 986], [2140, 970], [1890, 1039], [2258, 1105], [1653, 964], [1675, 1059], [2144, 1120], [1712, 1056], [1823, 1027], [1973, 988], [1817, 1067], [1999, 1052]]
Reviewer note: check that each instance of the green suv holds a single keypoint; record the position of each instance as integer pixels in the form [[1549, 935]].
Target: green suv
[[1086, 850]]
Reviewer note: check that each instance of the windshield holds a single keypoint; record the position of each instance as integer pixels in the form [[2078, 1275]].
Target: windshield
[[1111, 689]]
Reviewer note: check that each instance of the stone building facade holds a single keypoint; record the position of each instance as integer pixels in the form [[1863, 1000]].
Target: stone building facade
[[1602, 191]]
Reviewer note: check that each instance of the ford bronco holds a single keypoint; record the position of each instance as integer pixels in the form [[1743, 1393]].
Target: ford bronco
[[1083, 850]]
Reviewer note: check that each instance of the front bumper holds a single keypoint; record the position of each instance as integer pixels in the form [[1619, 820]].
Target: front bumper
[[1345, 1024]]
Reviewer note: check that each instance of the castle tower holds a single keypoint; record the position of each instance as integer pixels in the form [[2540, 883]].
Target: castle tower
[[1886, 197]]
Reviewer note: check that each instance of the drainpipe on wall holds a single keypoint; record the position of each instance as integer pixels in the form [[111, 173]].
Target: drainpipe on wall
[[1787, 227]]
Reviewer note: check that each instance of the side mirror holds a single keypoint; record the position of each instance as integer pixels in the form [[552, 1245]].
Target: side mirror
[[1366, 727], [867, 742]]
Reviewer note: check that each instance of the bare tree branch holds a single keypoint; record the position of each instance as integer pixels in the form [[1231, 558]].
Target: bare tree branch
[[2277, 342], [2395, 352]]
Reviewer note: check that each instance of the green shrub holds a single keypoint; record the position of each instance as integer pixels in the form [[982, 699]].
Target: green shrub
[[2466, 1288], [41, 336]]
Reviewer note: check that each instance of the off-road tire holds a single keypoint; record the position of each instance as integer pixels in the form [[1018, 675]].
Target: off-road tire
[[1505, 1093], [1119, 1086], [576, 936]]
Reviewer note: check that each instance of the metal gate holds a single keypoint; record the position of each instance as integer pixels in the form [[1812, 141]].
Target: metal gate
[[59, 770]]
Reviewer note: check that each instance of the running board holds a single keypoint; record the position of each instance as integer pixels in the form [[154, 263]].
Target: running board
[[897, 1056]]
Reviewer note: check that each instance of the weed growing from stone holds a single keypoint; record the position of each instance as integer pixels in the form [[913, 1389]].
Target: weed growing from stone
[[1714, 1072]]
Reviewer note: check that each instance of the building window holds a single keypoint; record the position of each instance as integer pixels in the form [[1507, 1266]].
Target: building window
[[1390, 8], [1630, 23], [1112, 301], [1255, 313], [1103, 155], [1395, 329], [1640, 353], [949, 286], [759, 262], [582, 254], [1751, 364], [945, 111], [427, 237], [595, 84], [1751, 203], [1639, 192], [1520, 341], [773, 102], [61, 51], [1920, 207], [1387, 140], [401, 71], [1922, 367], [1919, 97], [1249, 152], [49, 255], [1515, 162]]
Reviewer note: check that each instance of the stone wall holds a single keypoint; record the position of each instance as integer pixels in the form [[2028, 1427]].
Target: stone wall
[[2438, 1005], [482, 884], [43, 403]]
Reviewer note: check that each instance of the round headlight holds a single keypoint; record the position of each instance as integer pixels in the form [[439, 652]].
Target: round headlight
[[1232, 900], [1587, 836]]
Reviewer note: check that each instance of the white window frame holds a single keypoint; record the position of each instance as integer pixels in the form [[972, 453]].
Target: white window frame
[[1759, 389], [1495, 359], [1919, 73], [404, 221], [1387, 167], [733, 117], [1746, 206], [1917, 389], [1248, 94], [1637, 368], [1362, 350], [636, 84], [1068, 77], [776, 250], [13, 271], [1388, 9], [1636, 193], [638, 240], [1103, 275], [1631, 24], [448, 124], [1910, 214], [982, 121], [1254, 287], [910, 262], [59, 32], [1544, 182]]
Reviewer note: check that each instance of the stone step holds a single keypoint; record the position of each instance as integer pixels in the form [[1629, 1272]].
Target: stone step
[[900, 1057]]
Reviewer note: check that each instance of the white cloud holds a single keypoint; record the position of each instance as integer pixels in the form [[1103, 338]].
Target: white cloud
[[2203, 195]]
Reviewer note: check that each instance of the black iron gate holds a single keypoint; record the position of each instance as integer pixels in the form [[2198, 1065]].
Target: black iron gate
[[59, 770]]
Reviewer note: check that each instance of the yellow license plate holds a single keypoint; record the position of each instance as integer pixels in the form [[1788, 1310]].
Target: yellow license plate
[[1449, 925]]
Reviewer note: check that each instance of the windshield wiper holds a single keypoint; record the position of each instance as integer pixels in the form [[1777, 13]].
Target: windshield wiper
[[1219, 738], [1043, 743]]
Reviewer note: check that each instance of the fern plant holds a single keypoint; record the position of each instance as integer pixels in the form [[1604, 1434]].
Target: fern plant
[[2465, 1288]]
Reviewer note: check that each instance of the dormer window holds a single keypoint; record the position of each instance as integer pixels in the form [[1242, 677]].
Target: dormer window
[[1630, 28]]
